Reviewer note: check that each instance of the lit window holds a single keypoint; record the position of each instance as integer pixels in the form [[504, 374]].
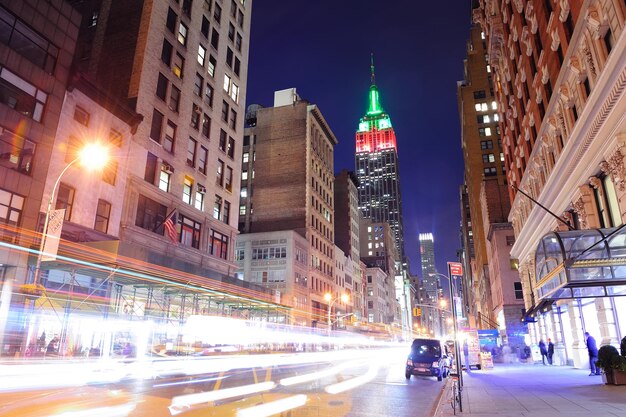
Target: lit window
[[199, 198], [246, 156], [201, 54], [226, 83], [187, 186], [234, 93], [244, 175], [242, 210], [482, 35], [369, 253], [487, 131], [369, 229], [369, 245], [494, 105], [496, 117], [488, 68], [244, 192], [182, 34], [501, 157], [483, 106], [477, 106], [486, 118], [164, 179]]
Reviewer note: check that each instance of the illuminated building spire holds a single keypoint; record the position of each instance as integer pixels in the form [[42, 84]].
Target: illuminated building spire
[[375, 107]]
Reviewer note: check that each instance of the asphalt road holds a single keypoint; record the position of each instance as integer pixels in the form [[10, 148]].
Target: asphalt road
[[360, 387]]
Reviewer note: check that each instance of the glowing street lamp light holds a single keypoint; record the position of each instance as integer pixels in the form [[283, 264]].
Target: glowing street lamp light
[[329, 298]]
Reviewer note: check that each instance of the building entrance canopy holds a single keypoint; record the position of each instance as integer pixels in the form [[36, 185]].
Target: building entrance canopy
[[581, 263]]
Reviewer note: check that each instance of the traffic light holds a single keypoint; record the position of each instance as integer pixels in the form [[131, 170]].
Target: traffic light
[[417, 311]]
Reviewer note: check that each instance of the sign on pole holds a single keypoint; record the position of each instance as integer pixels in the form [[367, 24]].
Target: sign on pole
[[456, 268], [53, 235]]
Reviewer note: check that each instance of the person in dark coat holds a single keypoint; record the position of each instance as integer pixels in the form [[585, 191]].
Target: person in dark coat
[[592, 349], [550, 351], [543, 350]]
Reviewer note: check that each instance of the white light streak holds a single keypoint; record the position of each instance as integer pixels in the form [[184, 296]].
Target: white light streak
[[274, 407], [294, 380], [354, 382], [115, 411], [183, 402]]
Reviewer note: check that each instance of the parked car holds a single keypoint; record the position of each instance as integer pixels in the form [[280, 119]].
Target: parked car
[[426, 359]]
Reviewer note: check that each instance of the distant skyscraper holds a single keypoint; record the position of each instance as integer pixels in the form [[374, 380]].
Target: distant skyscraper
[[377, 168], [427, 256]]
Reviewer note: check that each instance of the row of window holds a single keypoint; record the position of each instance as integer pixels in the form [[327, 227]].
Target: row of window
[[151, 216], [65, 200]]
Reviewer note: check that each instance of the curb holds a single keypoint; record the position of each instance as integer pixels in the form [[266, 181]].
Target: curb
[[434, 411]]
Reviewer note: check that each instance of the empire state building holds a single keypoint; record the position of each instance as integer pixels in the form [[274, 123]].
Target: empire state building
[[376, 161]]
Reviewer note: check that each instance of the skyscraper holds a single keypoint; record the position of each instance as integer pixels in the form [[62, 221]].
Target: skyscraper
[[376, 161], [427, 256]]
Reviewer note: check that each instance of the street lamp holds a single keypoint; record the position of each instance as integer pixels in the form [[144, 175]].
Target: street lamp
[[329, 298], [93, 157]]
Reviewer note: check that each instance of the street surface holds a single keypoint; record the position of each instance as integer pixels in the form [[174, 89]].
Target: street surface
[[355, 383]]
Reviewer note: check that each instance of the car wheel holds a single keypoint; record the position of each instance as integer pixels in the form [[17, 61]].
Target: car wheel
[[439, 378], [407, 374]]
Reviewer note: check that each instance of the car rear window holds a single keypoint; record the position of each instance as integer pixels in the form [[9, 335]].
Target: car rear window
[[426, 348]]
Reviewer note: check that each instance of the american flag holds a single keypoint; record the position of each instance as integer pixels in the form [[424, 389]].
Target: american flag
[[170, 226]]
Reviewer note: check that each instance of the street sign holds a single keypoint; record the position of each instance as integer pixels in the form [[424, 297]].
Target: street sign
[[53, 235], [456, 268]]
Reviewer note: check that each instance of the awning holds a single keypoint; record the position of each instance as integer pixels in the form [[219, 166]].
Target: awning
[[581, 263], [543, 306]]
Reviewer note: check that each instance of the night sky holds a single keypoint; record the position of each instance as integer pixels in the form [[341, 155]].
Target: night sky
[[323, 49]]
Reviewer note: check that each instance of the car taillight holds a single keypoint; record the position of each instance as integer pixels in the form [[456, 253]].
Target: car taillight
[[409, 362]]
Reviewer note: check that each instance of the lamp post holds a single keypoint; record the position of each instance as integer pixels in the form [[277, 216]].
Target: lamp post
[[329, 298], [457, 351], [93, 157]]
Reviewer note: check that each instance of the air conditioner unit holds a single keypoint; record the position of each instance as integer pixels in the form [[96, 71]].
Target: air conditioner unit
[[201, 188], [167, 168]]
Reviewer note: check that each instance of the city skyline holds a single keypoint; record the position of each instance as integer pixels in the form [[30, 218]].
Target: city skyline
[[425, 117]]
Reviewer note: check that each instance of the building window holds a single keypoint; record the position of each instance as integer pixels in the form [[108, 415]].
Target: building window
[[238, 42], [242, 210], [27, 42], [233, 119], [150, 214], [174, 99], [219, 179], [217, 207], [166, 53], [231, 32], [486, 144], [237, 66], [226, 214], [215, 39], [161, 90], [231, 148], [211, 67], [490, 171], [199, 204], [21, 96], [225, 108], [182, 33], [11, 206], [195, 116], [179, 65], [240, 254], [240, 18], [103, 213], [479, 94], [17, 153], [519, 292], [187, 7], [489, 158], [170, 23], [150, 171], [218, 244], [222, 142], [217, 13], [205, 27], [187, 190], [189, 232], [170, 136], [157, 125], [208, 95], [229, 57], [165, 178], [202, 158], [191, 152], [206, 125], [109, 172], [245, 157], [81, 116], [65, 200], [243, 193], [228, 180], [201, 55]]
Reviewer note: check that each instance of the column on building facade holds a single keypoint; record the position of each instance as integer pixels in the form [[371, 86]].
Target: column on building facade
[[615, 168], [560, 357], [580, 356], [606, 320]]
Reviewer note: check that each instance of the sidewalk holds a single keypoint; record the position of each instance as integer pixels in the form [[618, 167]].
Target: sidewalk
[[517, 390]]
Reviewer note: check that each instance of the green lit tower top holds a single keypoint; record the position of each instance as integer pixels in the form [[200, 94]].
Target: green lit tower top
[[376, 162]]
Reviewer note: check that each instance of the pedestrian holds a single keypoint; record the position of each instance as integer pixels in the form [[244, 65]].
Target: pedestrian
[[53, 346], [592, 349], [550, 351], [543, 350], [527, 353], [466, 355]]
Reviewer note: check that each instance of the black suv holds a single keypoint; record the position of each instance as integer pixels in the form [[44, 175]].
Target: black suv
[[426, 359]]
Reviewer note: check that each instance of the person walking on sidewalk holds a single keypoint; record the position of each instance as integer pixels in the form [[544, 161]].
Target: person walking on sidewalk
[[550, 351], [592, 349], [543, 350], [466, 355]]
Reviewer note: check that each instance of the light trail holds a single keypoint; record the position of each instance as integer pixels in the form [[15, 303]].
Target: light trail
[[274, 407], [354, 382], [300, 379], [183, 403], [115, 411]]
